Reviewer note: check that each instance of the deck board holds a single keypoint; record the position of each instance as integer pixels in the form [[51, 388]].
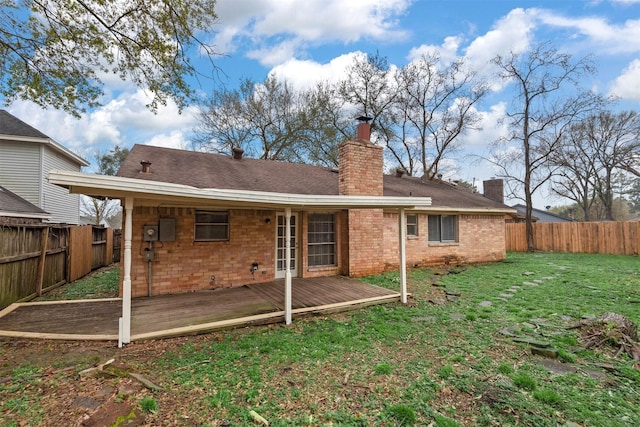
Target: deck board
[[153, 315]]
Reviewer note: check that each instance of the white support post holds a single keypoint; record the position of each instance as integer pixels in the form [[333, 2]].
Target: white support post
[[402, 239], [125, 330], [287, 269]]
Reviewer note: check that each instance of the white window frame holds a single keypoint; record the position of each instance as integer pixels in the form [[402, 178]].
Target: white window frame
[[413, 223]]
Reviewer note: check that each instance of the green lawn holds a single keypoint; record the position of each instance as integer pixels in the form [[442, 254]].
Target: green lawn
[[452, 364]]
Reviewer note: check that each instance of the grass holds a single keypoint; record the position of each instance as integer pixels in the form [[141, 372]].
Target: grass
[[100, 284], [420, 364]]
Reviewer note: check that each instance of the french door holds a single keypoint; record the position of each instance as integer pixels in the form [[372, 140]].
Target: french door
[[280, 245]]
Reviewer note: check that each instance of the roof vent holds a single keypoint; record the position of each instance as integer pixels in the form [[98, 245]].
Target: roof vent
[[400, 172], [146, 166], [237, 153]]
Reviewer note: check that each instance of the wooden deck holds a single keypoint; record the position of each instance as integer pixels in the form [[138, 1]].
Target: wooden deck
[[189, 313]]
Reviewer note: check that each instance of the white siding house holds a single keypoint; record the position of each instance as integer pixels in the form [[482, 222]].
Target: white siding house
[[26, 157]]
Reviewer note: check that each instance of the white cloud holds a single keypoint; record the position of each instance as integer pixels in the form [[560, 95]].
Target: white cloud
[[305, 74], [293, 24], [511, 34], [122, 121], [448, 50], [608, 38], [627, 85], [491, 125], [174, 139]]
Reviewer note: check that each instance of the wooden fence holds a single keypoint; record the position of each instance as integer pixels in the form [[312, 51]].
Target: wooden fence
[[38, 258], [618, 238]]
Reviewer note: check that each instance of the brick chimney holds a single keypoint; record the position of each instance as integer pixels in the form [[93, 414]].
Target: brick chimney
[[494, 189], [360, 171], [360, 164]]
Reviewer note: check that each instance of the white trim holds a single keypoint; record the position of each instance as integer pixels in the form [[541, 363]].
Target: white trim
[[125, 329], [280, 274], [118, 187], [287, 270], [402, 249]]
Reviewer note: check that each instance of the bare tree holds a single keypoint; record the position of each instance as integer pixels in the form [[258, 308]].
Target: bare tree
[[105, 210], [541, 112], [433, 108], [368, 90], [328, 124], [614, 140], [577, 168], [266, 120]]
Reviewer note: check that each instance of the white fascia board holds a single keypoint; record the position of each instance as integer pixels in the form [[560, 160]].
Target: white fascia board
[[62, 149], [118, 187], [449, 210]]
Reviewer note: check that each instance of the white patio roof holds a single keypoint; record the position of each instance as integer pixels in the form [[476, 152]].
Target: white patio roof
[[120, 188]]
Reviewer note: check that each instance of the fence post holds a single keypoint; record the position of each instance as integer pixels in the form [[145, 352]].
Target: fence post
[[44, 238]]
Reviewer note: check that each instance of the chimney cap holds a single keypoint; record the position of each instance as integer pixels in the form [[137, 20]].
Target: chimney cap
[[364, 119]]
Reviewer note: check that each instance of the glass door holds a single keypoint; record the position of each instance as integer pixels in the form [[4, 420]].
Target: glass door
[[280, 245]]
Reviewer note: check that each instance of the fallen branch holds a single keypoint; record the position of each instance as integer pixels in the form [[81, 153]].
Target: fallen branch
[[146, 382], [257, 417]]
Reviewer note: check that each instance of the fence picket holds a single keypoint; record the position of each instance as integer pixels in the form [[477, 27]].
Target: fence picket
[[618, 238]]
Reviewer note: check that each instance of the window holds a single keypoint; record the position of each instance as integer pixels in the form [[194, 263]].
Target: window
[[212, 226], [412, 225], [443, 228], [322, 240]]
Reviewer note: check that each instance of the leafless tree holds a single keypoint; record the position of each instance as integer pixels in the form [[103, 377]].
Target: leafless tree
[[615, 142], [547, 102], [266, 120], [433, 108]]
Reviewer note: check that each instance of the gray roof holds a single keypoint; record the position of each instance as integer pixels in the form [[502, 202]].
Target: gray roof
[[11, 125], [11, 202], [206, 170]]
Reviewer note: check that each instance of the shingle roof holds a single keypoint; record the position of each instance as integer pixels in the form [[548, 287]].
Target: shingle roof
[[206, 170], [11, 202], [11, 125]]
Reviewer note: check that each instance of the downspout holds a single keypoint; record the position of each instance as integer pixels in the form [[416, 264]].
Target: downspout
[[150, 256]]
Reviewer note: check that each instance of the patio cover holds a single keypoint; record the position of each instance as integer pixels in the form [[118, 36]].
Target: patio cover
[[143, 192]]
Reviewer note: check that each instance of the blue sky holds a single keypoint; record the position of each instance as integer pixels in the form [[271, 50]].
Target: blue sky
[[310, 40]]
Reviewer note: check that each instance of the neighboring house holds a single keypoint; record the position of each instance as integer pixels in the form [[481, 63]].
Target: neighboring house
[[196, 221], [16, 210], [26, 157], [538, 215]]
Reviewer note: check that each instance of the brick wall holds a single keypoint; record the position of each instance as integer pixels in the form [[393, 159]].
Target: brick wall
[[360, 171], [185, 265], [480, 239]]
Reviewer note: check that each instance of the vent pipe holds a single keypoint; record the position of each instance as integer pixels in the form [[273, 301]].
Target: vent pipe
[[146, 166], [237, 153]]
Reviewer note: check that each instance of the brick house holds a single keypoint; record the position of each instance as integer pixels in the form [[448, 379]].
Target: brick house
[[196, 221]]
